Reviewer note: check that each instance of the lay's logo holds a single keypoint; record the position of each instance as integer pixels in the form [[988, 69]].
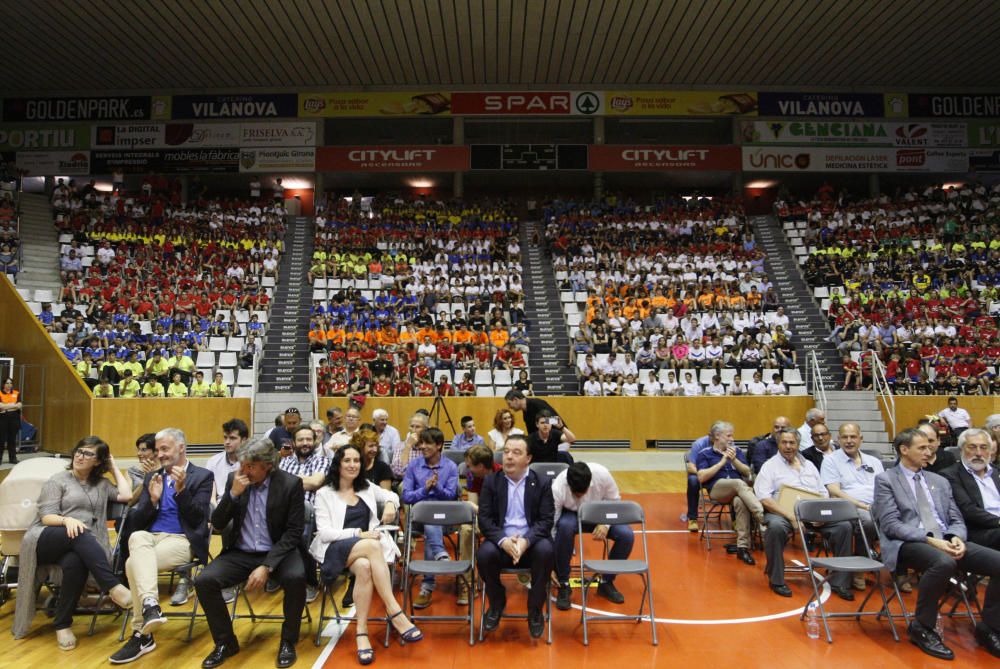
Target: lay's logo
[[621, 102]]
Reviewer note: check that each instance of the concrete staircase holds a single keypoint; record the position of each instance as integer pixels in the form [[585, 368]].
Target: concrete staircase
[[808, 324], [547, 364], [39, 245], [861, 407], [267, 406], [285, 362]]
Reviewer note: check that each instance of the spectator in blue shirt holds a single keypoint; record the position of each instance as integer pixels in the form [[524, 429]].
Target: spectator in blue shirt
[[467, 438], [430, 477], [723, 470]]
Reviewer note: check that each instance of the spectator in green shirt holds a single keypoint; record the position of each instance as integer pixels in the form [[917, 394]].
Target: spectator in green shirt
[[128, 387], [152, 388], [177, 387], [199, 388]]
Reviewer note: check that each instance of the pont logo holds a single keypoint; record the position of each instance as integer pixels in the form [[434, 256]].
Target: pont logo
[[912, 134], [911, 158]]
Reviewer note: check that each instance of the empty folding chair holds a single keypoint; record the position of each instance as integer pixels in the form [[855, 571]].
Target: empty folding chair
[[227, 360], [548, 470], [235, 344], [819, 511], [483, 377], [444, 514], [502, 377], [205, 361], [245, 377], [216, 344]]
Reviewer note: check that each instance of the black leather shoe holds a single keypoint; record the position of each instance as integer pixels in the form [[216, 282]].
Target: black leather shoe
[[536, 623], [928, 641], [744, 555], [286, 655], [988, 639], [608, 591], [844, 593], [563, 595], [781, 589], [493, 614], [219, 654]]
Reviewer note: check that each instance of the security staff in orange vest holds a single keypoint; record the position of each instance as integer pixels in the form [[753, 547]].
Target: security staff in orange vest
[[10, 419]]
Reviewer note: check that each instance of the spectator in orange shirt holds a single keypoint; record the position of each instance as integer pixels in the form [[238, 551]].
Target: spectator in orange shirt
[[498, 337]]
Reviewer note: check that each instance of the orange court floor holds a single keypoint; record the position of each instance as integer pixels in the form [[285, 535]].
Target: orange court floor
[[712, 610]]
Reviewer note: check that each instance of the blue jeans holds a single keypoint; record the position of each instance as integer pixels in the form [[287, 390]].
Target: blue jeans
[[621, 537], [433, 549]]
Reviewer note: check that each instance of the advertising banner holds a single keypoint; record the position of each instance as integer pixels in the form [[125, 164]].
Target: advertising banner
[[120, 108], [392, 158], [53, 163], [845, 105], [291, 133], [680, 103], [954, 105], [858, 159], [616, 158], [984, 133], [325, 105], [854, 133], [257, 160], [984, 161], [170, 161], [530, 103], [240, 106], [193, 135], [20, 138]]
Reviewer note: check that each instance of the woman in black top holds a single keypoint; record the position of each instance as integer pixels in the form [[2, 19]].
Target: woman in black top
[[376, 470]]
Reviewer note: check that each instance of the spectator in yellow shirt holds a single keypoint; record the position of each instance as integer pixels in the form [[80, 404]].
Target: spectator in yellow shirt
[[128, 387], [177, 388], [199, 388]]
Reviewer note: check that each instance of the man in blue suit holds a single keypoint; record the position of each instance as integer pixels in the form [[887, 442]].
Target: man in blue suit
[[921, 528], [516, 512]]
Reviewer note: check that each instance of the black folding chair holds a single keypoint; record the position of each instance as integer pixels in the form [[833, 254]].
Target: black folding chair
[[310, 523], [458, 457], [117, 513], [820, 511], [518, 571], [619, 512], [445, 514], [548, 470]]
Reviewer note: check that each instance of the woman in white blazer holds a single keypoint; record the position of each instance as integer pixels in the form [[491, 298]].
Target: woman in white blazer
[[346, 537]]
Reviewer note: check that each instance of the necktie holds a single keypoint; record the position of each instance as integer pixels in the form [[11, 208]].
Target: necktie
[[927, 518]]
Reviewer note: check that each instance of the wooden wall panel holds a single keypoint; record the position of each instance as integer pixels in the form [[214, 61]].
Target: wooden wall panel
[[636, 419], [120, 421], [67, 400], [909, 410]]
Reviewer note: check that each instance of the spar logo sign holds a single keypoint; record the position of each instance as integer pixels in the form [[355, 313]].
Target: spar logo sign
[[911, 158], [587, 103], [912, 134]]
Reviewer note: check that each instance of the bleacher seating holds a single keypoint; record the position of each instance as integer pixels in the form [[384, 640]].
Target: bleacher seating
[[911, 280], [409, 295], [145, 274], [668, 288]]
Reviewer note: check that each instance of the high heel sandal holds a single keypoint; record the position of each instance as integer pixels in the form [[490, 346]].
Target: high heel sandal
[[411, 635], [365, 655]]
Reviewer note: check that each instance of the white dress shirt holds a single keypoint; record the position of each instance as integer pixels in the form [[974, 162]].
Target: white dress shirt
[[602, 489]]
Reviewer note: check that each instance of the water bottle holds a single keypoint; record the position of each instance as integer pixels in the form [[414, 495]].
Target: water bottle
[[939, 626], [812, 622]]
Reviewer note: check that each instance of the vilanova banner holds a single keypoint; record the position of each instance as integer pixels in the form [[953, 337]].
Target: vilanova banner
[[845, 105]]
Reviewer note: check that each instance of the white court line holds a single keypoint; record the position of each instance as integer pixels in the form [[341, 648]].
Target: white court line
[[824, 595], [335, 632]]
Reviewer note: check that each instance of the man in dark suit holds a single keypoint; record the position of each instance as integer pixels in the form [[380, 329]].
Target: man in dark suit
[[516, 512], [167, 526], [263, 514], [976, 487], [822, 445], [921, 528]]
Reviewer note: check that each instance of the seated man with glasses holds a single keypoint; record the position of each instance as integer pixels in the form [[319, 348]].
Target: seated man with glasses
[[921, 528], [975, 485], [822, 445]]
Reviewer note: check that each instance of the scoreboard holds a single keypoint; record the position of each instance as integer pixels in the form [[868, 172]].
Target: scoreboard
[[529, 157]]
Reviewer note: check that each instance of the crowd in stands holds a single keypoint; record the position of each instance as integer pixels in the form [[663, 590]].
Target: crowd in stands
[[668, 299], [911, 281], [10, 243], [417, 298], [161, 298]]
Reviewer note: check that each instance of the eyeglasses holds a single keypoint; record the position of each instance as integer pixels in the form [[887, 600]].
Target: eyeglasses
[[868, 468], [86, 455], [820, 434]]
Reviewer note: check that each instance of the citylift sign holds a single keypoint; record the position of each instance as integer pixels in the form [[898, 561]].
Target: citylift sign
[[618, 158], [392, 158]]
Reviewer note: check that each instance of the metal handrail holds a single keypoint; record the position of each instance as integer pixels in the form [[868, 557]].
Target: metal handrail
[[815, 375], [880, 384]]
